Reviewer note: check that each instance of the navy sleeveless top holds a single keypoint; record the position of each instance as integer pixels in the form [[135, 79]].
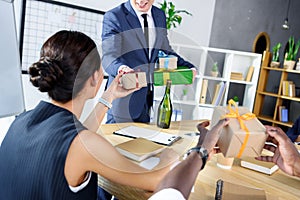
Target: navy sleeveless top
[[33, 155]]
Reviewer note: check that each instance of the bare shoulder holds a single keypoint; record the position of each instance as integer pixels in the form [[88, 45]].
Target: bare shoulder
[[90, 142]]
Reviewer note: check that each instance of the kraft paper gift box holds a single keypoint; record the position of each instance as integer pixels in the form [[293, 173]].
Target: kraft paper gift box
[[134, 80], [168, 63], [236, 142], [182, 75]]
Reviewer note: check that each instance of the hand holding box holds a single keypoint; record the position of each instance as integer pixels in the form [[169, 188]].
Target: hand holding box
[[244, 135], [133, 80]]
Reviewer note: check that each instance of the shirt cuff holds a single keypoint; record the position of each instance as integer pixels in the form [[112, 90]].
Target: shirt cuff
[[121, 67], [168, 193]]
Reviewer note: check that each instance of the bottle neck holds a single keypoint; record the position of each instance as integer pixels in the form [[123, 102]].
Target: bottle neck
[[168, 88]]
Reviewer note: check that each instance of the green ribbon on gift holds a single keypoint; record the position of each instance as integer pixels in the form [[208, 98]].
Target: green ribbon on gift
[[180, 76]]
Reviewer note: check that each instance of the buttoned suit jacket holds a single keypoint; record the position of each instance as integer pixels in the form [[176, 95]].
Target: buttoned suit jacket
[[124, 43]]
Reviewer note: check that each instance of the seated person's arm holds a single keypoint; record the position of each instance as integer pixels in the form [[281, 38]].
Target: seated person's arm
[[114, 91], [92, 152], [183, 176]]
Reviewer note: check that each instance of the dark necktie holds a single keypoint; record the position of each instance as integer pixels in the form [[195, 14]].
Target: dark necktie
[[150, 89], [146, 31]]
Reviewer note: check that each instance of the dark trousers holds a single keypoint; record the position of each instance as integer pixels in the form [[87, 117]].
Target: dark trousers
[[103, 194], [144, 116]]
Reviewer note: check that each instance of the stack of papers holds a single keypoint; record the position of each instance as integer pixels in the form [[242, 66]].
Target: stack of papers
[[149, 134], [260, 166]]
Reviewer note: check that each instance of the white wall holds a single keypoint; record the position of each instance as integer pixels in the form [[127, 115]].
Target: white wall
[[193, 29]]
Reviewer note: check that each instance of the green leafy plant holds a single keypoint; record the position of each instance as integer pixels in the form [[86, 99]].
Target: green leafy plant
[[172, 15], [235, 99], [275, 49], [215, 67], [293, 49]]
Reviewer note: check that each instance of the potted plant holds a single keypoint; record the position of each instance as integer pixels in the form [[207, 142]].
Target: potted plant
[[291, 53], [214, 71], [236, 100], [172, 15], [275, 58]]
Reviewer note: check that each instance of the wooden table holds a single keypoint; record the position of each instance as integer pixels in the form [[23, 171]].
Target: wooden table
[[278, 186]]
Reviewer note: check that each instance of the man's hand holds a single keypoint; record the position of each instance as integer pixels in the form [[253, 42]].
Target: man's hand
[[209, 138], [285, 155]]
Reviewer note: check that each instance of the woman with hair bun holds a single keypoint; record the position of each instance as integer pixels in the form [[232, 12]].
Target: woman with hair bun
[[47, 152]]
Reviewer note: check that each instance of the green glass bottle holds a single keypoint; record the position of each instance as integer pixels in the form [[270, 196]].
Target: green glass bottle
[[165, 108]]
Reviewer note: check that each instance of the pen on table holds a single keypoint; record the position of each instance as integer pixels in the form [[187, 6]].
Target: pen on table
[[193, 134]]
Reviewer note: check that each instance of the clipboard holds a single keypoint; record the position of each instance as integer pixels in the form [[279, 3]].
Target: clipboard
[[152, 135]]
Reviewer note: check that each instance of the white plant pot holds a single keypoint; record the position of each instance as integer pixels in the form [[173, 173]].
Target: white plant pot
[[289, 64], [275, 64], [214, 74]]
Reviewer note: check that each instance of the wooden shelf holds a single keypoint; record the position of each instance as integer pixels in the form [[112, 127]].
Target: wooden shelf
[[279, 96], [261, 93], [282, 70], [290, 98], [268, 94], [269, 119]]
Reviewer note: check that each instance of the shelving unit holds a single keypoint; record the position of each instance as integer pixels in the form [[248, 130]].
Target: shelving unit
[[204, 58], [262, 93]]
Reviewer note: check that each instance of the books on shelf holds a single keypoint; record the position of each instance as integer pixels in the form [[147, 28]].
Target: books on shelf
[[139, 149], [230, 191], [203, 91], [279, 112], [292, 90], [216, 92], [288, 88], [283, 114], [249, 74], [236, 76], [260, 166], [219, 93]]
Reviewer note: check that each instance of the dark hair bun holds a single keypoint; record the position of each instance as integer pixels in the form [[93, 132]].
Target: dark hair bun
[[45, 74]]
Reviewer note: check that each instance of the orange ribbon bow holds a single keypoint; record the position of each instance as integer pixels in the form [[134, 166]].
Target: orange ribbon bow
[[235, 114]]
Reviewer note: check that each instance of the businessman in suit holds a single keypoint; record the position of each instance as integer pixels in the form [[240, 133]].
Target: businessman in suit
[[128, 46]]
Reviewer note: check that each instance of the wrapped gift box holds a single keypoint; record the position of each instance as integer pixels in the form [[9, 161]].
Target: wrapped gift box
[[134, 80], [168, 63], [182, 75], [233, 136]]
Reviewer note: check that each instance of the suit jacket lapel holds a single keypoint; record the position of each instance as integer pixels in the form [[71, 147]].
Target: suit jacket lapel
[[134, 22], [158, 40]]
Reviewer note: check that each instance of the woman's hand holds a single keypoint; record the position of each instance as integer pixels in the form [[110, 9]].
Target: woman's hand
[[115, 91]]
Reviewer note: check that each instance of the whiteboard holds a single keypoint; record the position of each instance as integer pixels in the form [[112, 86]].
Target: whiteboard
[[11, 92], [44, 18]]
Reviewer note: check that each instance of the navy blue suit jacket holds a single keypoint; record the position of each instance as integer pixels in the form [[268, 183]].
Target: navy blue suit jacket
[[294, 132], [123, 43]]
